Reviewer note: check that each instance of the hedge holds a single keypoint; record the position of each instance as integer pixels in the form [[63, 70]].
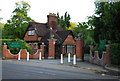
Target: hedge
[[115, 53], [16, 50]]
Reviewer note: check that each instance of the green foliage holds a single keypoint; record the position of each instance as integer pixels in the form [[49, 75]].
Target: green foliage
[[64, 21], [86, 34], [106, 21], [16, 50], [5, 40], [72, 26], [26, 46], [115, 53], [16, 26], [81, 28]]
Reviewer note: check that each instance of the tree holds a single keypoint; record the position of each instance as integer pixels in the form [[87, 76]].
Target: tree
[[16, 26], [72, 26], [64, 21], [106, 21], [86, 34]]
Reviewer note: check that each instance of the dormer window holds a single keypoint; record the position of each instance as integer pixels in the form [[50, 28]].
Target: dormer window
[[31, 32]]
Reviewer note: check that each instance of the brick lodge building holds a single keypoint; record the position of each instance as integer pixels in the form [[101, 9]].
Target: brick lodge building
[[53, 39]]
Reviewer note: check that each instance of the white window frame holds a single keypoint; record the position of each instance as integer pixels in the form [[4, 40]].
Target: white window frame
[[31, 32], [69, 48]]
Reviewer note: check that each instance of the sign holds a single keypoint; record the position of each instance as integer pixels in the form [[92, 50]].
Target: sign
[[102, 44], [15, 44]]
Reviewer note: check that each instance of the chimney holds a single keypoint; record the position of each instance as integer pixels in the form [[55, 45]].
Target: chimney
[[52, 19]]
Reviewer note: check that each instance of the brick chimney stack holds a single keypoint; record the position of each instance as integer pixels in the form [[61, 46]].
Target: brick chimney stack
[[52, 19]]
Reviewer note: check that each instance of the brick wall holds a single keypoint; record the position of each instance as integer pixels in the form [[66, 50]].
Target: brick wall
[[69, 40], [23, 53], [79, 49], [51, 50], [52, 19], [30, 38], [105, 60]]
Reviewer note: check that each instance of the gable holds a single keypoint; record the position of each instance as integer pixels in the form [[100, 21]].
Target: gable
[[69, 40], [30, 37]]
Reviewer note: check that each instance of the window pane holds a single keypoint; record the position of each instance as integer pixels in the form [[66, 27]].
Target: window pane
[[32, 32], [69, 48], [29, 32]]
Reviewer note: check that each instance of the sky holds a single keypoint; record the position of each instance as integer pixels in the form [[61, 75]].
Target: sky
[[78, 9]]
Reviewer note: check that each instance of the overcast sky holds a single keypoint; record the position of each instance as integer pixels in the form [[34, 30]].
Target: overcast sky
[[78, 9]]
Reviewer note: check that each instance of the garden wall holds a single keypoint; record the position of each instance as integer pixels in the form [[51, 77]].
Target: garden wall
[[104, 60], [6, 54]]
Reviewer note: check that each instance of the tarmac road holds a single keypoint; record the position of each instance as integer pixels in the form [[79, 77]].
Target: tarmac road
[[14, 69]]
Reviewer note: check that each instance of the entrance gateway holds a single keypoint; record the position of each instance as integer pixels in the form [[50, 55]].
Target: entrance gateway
[[52, 39]]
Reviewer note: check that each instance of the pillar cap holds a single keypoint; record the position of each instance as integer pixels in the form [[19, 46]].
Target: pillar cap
[[4, 43]]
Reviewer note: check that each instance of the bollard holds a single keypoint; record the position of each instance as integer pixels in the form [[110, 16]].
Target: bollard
[[27, 56], [74, 59], [68, 57], [61, 58], [40, 56], [19, 56]]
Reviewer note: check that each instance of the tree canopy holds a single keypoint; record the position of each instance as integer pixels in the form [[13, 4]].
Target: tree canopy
[[106, 21], [64, 21], [17, 24]]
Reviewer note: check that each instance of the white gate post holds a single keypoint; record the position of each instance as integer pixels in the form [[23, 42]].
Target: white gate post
[[68, 57], [40, 56], [61, 58], [19, 56], [27, 56], [74, 59]]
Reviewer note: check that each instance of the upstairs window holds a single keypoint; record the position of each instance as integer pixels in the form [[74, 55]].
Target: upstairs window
[[31, 32]]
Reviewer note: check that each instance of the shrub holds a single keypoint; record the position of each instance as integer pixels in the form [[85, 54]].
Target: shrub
[[100, 51], [115, 53], [5, 40], [16, 50]]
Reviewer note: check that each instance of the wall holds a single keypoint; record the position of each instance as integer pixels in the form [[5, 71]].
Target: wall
[[23, 54], [105, 60], [31, 38], [69, 40]]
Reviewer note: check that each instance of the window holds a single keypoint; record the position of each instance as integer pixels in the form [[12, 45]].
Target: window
[[69, 48], [31, 32]]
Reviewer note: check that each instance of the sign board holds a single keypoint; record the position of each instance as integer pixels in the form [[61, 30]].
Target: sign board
[[15, 44], [102, 44]]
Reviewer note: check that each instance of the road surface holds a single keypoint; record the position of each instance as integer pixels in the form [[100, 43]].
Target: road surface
[[14, 69]]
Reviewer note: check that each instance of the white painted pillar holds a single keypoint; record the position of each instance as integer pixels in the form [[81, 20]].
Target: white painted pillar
[[74, 59], [27, 56], [19, 56], [40, 56], [68, 57], [61, 59]]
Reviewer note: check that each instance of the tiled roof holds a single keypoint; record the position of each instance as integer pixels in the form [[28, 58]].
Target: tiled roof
[[44, 31], [41, 29]]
